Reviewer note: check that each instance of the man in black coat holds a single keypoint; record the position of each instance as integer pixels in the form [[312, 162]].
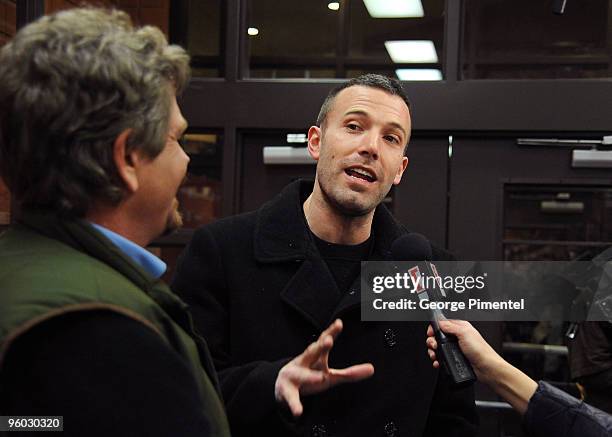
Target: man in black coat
[[265, 284]]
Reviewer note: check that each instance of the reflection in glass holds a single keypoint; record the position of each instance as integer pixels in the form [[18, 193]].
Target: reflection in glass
[[556, 223], [324, 39], [405, 42], [200, 195], [294, 38], [524, 39], [196, 25]]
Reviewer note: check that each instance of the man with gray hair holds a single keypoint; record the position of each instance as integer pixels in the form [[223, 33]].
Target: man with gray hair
[[89, 130]]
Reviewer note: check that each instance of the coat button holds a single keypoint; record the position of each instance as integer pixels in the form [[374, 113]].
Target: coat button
[[319, 431], [390, 337], [390, 429]]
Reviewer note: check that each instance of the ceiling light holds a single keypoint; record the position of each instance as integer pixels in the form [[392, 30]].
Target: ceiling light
[[394, 8], [417, 51], [418, 74], [253, 31], [334, 6]]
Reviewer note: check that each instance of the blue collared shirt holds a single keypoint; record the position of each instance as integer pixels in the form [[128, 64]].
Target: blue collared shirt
[[145, 259]]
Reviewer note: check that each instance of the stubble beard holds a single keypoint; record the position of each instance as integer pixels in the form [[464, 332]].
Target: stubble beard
[[339, 200]]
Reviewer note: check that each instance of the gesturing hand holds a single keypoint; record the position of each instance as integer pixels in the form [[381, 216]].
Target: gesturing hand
[[309, 372]]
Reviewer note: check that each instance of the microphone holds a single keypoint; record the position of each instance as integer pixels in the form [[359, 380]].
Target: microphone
[[414, 247]]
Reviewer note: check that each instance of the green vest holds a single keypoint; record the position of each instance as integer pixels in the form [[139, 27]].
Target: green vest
[[49, 267]]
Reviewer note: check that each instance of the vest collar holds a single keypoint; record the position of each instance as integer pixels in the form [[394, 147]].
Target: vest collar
[[82, 236]]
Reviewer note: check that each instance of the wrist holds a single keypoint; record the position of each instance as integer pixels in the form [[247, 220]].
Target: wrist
[[491, 370]]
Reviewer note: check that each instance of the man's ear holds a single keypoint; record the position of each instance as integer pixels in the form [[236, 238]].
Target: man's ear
[[314, 141], [126, 162], [400, 170]]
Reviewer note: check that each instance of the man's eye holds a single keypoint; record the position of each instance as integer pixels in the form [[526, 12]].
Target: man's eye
[[392, 139], [352, 126]]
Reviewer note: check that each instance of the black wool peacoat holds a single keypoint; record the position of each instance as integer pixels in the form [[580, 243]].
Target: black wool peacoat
[[260, 293]]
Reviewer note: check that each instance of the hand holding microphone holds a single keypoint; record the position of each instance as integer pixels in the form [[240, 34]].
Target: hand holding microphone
[[414, 247], [480, 354], [506, 380]]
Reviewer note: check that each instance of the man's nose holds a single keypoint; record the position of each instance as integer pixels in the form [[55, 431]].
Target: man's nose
[[370, 145]]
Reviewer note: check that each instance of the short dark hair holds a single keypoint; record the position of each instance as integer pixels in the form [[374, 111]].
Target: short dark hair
[[388, 84], [70, 83]]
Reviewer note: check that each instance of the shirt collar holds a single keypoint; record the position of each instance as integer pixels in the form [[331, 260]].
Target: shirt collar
[[145, 259]]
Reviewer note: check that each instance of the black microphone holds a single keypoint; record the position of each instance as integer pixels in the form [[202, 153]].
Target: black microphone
[[414, 247]]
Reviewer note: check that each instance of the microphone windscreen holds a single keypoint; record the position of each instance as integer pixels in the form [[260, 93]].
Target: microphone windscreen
[[411, 247]]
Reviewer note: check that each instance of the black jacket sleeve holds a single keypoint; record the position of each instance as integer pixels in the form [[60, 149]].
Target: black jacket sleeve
[[106, 374], [200, 282], [552, 412]]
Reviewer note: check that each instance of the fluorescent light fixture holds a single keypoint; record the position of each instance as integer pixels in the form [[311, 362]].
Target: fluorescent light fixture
[[287, 155], [591, 158], [253, 31], [334, 6], [297, 138], [414, 51], [418, 74], [394, 8]]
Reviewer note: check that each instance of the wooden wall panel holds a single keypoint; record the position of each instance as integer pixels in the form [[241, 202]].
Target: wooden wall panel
[[8, 18], [142, 12], [57, 5], [8, 21], [158, 14], [5, 205]]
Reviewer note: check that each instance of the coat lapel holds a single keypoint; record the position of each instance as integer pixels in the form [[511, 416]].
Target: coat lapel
[[282, 235], [312, 291]]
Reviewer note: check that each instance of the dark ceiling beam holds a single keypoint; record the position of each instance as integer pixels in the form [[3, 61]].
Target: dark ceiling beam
[[478, 105]]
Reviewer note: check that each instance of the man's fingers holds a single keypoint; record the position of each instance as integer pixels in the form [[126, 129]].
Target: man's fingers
[[316, 351], [431, 343], [308, 377], [291, 396], [351, 374], [319, 349], [430, 331], [454, 327], [432, 355], [333, 330]]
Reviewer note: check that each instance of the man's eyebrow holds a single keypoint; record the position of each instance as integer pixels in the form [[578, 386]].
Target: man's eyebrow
[[356, 112], [399, 126], [364, 113]]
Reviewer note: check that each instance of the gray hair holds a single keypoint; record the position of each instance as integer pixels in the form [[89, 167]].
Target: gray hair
[[70, 83]]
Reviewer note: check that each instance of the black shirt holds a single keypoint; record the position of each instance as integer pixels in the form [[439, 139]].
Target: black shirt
[[344, 261]]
